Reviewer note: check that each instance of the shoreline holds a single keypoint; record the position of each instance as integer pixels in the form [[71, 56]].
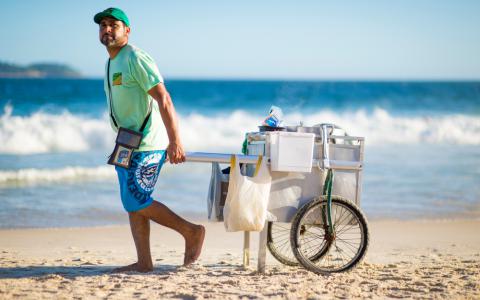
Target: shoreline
[[413, 259], [201, 218]]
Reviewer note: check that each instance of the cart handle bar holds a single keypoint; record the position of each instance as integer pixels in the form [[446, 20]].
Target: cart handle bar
[[252, 159], [219, 157]]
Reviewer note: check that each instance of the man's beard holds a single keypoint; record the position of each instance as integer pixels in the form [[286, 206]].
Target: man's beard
[[108, 41]]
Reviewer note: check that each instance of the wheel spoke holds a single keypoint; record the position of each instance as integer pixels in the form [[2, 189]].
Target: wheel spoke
[[279, 243]]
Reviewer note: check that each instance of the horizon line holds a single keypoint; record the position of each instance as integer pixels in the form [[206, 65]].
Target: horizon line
[[297, 79]]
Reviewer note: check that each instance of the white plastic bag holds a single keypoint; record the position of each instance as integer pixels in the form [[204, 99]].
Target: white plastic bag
[[247, 199]]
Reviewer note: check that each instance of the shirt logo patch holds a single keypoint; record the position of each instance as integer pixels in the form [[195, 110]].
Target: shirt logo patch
[[117, 78]]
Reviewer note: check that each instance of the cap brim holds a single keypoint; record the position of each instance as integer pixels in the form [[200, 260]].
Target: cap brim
[[98, 17]]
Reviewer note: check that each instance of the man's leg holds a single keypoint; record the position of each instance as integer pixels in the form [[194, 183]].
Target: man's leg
[[140, 227], [193, 234]]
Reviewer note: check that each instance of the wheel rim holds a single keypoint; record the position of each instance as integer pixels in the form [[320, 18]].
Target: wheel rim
[[334, 253]]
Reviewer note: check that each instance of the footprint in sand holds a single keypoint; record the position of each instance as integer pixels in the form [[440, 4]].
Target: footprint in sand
[[468, 261], [419, 283]]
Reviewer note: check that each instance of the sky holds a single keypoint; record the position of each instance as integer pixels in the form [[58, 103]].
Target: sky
[[327, 40]]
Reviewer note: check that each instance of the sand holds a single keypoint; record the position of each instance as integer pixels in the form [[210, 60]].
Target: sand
[[406, 259]]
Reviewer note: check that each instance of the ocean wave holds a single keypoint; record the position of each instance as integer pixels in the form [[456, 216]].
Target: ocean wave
[[32, 176], [380, 127], [42, 132]]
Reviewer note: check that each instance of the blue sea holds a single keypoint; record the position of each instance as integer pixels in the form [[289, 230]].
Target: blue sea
[[422, 154]]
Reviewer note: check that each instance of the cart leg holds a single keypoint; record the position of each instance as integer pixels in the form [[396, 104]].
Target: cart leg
[[246, 249], [262, 249]]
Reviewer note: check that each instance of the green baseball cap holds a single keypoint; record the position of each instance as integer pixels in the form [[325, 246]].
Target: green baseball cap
[[112, 12]]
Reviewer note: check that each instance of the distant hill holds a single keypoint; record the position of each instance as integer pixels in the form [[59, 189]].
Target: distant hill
[[38, 70]]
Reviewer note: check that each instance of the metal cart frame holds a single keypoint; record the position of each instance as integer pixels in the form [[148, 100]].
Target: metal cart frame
[[329, 154]]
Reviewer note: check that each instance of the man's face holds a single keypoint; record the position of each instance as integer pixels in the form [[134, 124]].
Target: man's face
[[113, 33]]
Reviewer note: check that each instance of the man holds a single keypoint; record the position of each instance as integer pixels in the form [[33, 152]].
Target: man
[[134, 87]]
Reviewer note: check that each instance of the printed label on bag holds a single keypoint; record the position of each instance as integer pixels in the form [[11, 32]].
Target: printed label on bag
[[122, 156]]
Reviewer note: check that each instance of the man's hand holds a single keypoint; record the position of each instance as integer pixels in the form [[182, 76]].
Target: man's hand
[[175, 153]]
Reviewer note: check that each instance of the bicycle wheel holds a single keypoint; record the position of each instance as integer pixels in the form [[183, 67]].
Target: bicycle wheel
[[278, 243], [337, 252]]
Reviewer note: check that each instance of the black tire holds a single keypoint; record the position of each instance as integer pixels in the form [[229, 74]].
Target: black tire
[[337, 253], [278, 243]]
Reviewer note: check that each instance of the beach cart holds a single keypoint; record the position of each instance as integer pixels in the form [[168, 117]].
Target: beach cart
[[315, 196]]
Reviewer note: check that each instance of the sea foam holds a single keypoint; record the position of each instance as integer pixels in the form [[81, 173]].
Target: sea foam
[[43, 132], [31, 176]]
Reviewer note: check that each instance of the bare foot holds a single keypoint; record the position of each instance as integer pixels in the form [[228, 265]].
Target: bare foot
[[133, 268], [193, 245]]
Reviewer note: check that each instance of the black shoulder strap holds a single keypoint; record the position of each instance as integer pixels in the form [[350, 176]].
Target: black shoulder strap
[[144, 124], [147, 117], [110, 95]]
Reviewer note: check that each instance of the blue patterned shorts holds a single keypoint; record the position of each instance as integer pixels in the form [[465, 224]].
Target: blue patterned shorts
[[137, 182]]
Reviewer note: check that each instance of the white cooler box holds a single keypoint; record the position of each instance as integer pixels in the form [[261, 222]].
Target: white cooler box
[[291, 151]]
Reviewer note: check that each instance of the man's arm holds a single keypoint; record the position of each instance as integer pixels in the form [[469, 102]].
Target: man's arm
[[175, 150]]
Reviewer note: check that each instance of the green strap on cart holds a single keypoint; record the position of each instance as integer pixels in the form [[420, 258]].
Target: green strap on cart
[[327, 190]]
